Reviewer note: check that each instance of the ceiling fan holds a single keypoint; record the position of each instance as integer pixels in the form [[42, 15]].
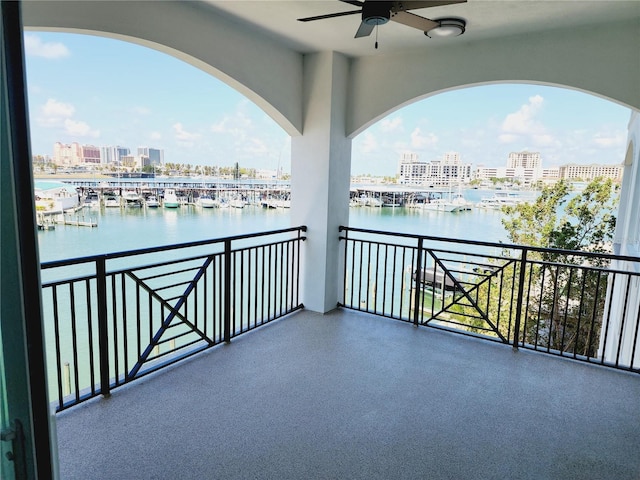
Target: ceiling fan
[[376, 13]]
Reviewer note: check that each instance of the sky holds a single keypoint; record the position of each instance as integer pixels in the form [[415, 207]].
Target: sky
[[99, 91]]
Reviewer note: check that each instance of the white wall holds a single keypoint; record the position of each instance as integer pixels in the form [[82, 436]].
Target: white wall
[[600, 60], [623, 301], [320, 173]]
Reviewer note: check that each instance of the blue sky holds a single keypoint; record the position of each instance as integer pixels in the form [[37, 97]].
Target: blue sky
[[101, 91]]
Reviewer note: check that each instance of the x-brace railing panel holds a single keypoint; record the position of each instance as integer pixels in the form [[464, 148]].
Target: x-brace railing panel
[[174, 313], [464, 293]]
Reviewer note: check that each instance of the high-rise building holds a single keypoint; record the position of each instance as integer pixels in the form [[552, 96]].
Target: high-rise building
[[527, 160], [113, 154], [90, 154], [411, 170], [155, 155], [67, 155]]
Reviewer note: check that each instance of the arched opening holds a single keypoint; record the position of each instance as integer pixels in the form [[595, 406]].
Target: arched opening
[[477, 128], [123, 98]]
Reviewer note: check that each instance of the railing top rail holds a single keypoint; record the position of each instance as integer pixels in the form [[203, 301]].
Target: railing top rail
[[556, 251], [163, 248]]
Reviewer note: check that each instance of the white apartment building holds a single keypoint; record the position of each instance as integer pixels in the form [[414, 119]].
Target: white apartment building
[[521, 174], [411, 171], [527, 160], [589, 172], [446, 171], [113, 154]]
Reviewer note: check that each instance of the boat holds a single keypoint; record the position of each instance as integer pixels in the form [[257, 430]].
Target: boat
[[205, 201], [111, 201], [441, 205], [500, 199], [152, 201], [131, 199], [92, 200], [427, 280], [170, 199], [237, 202]]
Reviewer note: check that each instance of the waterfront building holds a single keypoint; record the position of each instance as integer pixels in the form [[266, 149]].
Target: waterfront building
[[155, 156], [90, 154], [527, 160], [113, 154], [589, 172], [66, 155], [443, 172], [411, 171]]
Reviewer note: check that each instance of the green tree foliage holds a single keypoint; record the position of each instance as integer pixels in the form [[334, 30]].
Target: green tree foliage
[[565, 290], [585, 222]]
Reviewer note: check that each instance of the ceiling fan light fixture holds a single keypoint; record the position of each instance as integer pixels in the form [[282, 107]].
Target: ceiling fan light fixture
[[447, 27], [376, 13], [376, 20]]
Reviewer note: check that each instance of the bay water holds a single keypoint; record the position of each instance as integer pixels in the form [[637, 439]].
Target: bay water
[[133, 228], [123, 229]]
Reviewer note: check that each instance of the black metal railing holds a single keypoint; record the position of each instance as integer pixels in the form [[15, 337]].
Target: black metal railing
[[574, 304], [108, 322]]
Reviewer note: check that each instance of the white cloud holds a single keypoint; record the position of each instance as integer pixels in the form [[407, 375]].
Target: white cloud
[[155, 136], [79, 129], [53, 113], [182, 135], [391, 124], [523, 121], [54, 108], [369, 143], [418, 140], [35, 47], [523, 126], [256, 146], [609, 139], [236, 125]]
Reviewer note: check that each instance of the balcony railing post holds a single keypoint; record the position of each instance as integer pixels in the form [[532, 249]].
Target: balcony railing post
[[227, 290], [416, 291], [521, 279], [103, 328]]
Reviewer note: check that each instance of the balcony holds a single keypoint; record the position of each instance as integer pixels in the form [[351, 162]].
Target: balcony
[[352, 395], [348, 394]]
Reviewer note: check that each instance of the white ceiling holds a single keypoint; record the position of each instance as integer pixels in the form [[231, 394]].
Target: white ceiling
[[485, 19]]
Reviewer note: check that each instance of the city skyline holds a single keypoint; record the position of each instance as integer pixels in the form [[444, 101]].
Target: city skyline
[[100, 91]]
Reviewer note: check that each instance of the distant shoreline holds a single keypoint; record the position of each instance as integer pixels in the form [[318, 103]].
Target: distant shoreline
[[70, 176]]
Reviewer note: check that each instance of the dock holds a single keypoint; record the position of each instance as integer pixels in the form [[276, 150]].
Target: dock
[[79, 221]]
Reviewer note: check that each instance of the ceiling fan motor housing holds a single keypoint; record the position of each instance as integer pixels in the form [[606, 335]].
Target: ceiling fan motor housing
[[376, 13]]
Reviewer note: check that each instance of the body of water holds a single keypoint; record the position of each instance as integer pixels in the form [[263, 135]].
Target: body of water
[[133, 228]]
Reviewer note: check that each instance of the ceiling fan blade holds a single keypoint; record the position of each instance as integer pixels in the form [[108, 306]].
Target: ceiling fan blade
[[329, 15], [353, 2], [413, 20], [364, 30], [402, 6]]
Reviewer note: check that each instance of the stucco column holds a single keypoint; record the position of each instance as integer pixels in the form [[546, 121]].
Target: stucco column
[[320, 171]]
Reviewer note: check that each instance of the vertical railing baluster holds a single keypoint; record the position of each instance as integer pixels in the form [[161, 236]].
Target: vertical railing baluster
[[418, 280], [103, 333], [227, 291], [521, 277]]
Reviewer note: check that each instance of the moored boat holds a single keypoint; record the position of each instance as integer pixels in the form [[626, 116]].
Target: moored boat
[[170, 199], [205, 201]]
